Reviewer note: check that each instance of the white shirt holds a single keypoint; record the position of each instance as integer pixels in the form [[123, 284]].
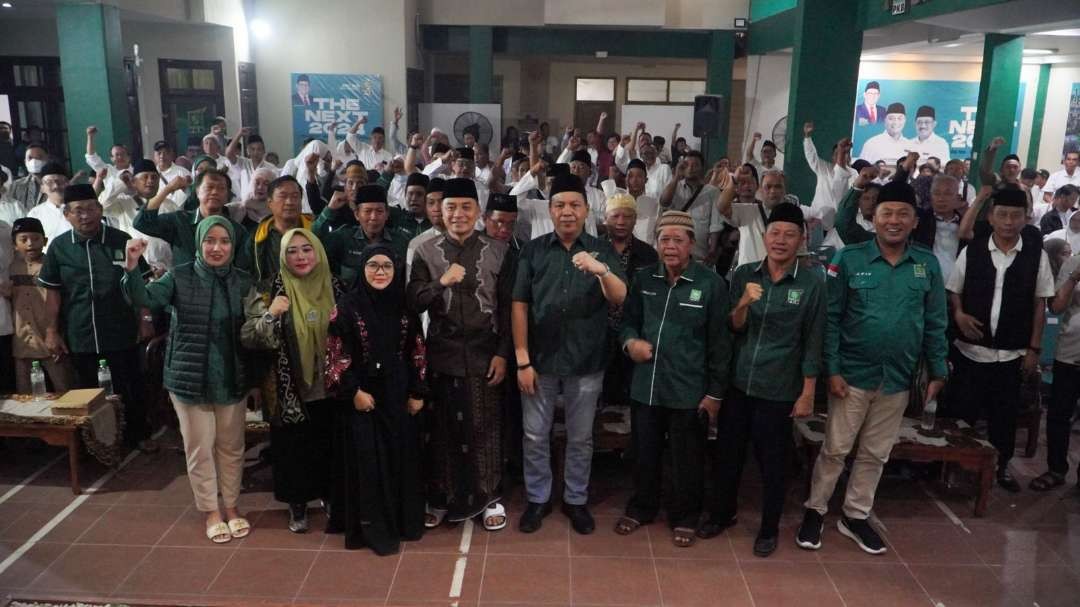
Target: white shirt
[[178, 197], [778, 164], [946, 244], [750, 219], [374, 160], [533, 217], [1061, 178], [482, 175], [112, 173], [1068, 339], [119, 208], [648, 211], [52, 219], [934, 145], [659, 176], [241, 173], [706, 216], [1044, 287], [884, 147], [832, 180]]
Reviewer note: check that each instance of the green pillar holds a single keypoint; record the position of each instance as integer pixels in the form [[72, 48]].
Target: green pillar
[[718, 66], [1003, 56], [481, 64], [824, 76], [92, 74], [1037, 116]]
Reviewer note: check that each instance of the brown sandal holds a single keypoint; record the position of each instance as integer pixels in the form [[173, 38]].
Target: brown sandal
[[626, 525], [683, 537]]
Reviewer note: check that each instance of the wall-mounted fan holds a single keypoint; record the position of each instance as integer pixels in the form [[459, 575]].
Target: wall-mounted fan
[[779, 133], [475, 123]]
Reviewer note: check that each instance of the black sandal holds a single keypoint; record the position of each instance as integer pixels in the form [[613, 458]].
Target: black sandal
[[626, 525], [1047, 481], [683, 537], [710, 528]]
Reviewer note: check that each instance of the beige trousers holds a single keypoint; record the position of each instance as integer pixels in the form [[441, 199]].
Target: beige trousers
[[59, 373], [214, 445], [874, 419]]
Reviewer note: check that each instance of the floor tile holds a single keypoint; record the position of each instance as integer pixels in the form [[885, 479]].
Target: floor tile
[[168, 570], [427, 577], [275, 573], [525, 579], [1040, 585], [552, 539], [132, 525], [717, 548], [881, 585], [1002, 545], [605, 542], [446, 539], [33, 518], [963, 585], [35, 560], [270, 529], [189, 530], [838, 548], [94, 570], [694, 582], [922, 543], [613, 581], [776, 583], [359, 575], [76, 523], [743, 534]]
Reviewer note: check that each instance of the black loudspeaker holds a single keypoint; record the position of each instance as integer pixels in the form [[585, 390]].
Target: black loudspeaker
[[709, 111]]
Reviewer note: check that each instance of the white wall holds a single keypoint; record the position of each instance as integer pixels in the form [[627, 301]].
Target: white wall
[[357, 37], [674, 14], [29, 37], [768, 82], [1057, 111]]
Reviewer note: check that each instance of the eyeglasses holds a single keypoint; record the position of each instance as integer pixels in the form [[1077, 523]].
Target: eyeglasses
[[375, 268]]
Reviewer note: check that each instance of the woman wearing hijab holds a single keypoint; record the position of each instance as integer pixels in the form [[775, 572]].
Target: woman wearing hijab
[[294, 325], [251, 211], [1057, 251], [1070, 234], [205, 370], [298, 166], [376, 364]]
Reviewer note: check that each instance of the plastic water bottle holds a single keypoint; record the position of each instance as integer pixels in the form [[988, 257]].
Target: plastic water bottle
[[37, 381], [929, 414], [104, 377]]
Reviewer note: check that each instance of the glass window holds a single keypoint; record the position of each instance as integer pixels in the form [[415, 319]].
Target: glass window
[[646, 91], [684, 91], [28, 75], [203, 79], [595, 89], [178, 78]]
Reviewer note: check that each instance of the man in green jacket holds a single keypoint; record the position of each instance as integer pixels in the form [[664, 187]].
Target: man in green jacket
[[90, 319], [345, 244], [675, 330], [886, 310], [178, 229]]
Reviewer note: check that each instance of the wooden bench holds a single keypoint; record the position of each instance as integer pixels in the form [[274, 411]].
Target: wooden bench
[[951, 441]]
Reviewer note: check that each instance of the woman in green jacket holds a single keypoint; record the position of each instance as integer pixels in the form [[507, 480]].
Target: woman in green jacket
[[204, 366]]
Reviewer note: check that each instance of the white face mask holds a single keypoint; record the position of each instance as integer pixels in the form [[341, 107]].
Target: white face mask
[[34, 165]]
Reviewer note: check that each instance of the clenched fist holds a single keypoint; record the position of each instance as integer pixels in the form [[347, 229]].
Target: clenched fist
[[454, 274], [279, 306], [751, 293]]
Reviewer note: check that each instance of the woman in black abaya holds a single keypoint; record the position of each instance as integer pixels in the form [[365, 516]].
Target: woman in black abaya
[[376, 365]]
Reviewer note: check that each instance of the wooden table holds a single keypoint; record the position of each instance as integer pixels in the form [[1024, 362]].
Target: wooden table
[[950, 441], [57, 435]]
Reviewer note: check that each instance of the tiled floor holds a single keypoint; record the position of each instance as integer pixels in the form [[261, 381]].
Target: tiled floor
[[138, 539]]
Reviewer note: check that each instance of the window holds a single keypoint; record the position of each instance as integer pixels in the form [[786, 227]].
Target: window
[[33, 101], [663, 91], [191, 96], [595, 89]]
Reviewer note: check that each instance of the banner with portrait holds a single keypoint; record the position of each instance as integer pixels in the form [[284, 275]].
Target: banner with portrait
[[1072, 123], [933, 117], [321, 100]]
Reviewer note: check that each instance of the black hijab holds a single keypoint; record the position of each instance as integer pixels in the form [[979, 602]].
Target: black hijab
[[381, 310]]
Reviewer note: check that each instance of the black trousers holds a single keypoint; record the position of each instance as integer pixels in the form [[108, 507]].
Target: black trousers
[[127, 383], [1059, 415], [7, 365], [303, 455], [992, 389], [767, 424], [686, 440]]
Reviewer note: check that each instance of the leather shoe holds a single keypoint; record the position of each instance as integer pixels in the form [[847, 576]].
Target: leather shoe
[[533, 517], [1007, 482], [580, 519], [764, 546]]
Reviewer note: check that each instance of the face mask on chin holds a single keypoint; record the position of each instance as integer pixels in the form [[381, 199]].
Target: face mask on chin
[[34, 165]]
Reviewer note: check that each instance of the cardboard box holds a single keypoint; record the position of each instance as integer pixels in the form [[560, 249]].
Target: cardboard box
[[79, 402]]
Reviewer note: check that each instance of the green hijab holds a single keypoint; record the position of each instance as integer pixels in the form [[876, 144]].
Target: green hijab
[[311, 299], [200, 234]]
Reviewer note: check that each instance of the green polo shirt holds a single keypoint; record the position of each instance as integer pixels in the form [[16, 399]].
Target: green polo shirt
[[883, 318], [687, 325], [567, 309], [781, 342], [345, 247], [178, 229], [94, 314], [406, 222]]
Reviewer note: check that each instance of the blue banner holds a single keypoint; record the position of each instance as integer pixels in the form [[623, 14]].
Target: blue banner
[[932, 117], [320, 100], [1072, 123]]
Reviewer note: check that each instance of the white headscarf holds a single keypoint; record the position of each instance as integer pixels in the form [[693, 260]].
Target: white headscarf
[[256, 210], [1066, 233], [313, 147]]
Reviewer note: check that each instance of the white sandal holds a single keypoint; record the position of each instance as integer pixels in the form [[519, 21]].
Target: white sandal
[[495, 511], [218, 533], [433, 517], [239, 527]]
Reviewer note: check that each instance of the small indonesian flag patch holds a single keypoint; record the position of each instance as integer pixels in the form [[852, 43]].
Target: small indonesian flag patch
[[833, 270]]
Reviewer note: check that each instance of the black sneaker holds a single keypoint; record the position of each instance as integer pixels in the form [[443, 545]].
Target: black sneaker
[[863, 534], [298, 520], [809, 535]]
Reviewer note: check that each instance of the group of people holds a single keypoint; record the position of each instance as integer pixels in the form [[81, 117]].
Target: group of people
[[411, 318]]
